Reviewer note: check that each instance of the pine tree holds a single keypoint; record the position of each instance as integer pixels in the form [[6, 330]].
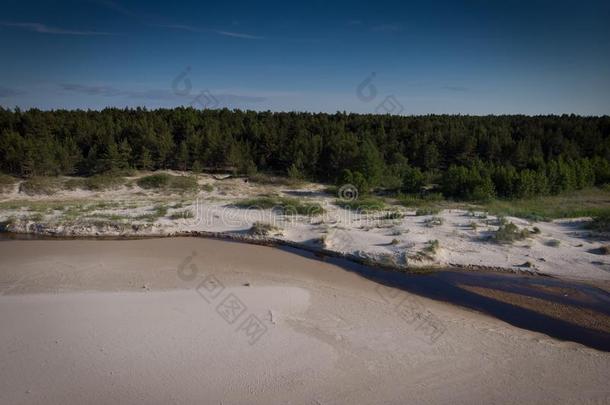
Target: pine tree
[[146, 162]]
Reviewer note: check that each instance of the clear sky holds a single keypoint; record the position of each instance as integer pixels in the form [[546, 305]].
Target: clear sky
[[471, 57]]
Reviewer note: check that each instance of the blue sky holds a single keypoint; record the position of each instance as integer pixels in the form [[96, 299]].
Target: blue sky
[[471, 57]]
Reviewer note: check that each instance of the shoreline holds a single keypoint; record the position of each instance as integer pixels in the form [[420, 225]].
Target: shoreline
[[277, 242]]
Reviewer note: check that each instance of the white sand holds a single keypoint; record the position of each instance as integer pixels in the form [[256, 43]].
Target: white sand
[[345, 232], [77, 327]]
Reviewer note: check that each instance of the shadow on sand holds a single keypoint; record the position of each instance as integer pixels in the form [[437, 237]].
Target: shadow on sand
[[447, 286]]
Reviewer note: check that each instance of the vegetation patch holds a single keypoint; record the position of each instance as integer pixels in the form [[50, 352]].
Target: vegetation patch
[[6, 183], [159, 211], [164, 181], [392, 215], [428, 252], [207, 187], [258, 203], [591, 202], [432, 247], [433, 221], [184, 214], [427, 211], [508, 233], [101, 182], [263, 229], [74, 184], [262, 178], [417, 200], [40, 185], [284, 205], [600, 223]]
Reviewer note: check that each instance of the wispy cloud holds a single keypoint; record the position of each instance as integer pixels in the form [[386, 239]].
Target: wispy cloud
[[179, 27], [45, 29], [237, 34], [190, 28], [456, 88], [154, 94], [8, 92], [112, 5]]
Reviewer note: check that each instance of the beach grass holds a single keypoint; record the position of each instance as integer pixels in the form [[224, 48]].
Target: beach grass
[[592, 202], [283, 204]]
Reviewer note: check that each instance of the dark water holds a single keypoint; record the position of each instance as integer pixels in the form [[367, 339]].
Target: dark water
[[447, 286]]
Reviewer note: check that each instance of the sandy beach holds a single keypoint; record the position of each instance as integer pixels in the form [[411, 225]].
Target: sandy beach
[[194, 320]]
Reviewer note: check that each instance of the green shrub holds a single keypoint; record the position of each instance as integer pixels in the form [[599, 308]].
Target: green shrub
[[185, 214], [600, 223], [509, 232], [285, 205], [261, 203], [432, 247], [164, 181], [159, 180], [103, 182], [263, 229], [429, 251], [392, 215], [295, 206], [365, 204]]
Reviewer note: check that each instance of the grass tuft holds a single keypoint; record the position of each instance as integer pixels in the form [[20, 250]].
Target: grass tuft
[[427, 211], [184, 214]]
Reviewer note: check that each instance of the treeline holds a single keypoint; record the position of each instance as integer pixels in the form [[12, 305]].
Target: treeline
[[471, 157]]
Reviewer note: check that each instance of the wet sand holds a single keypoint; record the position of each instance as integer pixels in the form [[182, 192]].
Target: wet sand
[[196, 320]]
